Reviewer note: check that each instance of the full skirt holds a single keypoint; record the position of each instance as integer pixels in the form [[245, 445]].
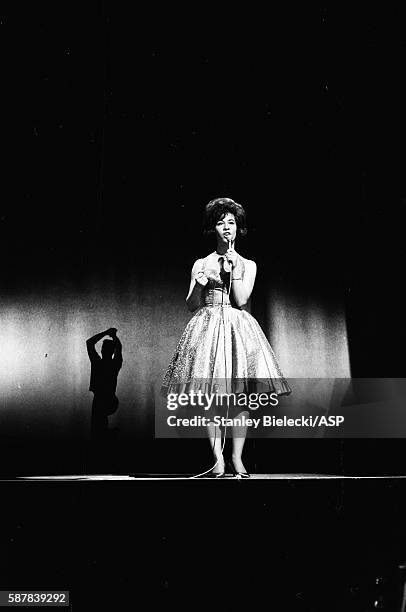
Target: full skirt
[[224, 350]]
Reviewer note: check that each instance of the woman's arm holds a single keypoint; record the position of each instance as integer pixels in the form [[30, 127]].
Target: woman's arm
[[195, 288], [242, 288]]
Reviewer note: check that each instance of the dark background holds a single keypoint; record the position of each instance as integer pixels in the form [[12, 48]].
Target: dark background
[[122, 124], [118, 126]]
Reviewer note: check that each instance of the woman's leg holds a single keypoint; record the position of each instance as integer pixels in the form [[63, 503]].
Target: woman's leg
[[239, 435], [214, 433]]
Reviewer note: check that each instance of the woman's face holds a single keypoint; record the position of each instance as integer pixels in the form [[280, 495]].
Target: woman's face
[[226, 228]]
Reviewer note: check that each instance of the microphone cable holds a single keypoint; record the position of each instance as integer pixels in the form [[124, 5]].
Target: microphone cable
[[225, 372]]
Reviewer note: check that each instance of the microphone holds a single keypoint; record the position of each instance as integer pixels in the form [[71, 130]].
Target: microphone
[[226, 263], [230, 246]]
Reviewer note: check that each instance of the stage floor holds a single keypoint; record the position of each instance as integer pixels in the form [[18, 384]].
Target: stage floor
[[131, 477], [110, 543]]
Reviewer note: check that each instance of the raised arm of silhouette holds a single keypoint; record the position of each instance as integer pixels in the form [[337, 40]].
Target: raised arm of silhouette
[[118, 353], [91, 342]]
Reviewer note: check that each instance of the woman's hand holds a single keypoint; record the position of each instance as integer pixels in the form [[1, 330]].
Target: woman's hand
[[201, 278], [232, 257], [213, 275]]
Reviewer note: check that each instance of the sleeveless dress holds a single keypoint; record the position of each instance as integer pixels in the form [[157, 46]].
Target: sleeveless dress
[[223, 349]]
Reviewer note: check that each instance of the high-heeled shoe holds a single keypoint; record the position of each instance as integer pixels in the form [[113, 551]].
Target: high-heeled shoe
[[215, 475], [212, 474], [240, 475]]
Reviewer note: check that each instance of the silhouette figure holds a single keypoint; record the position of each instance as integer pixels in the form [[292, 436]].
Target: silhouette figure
[[103, 379]]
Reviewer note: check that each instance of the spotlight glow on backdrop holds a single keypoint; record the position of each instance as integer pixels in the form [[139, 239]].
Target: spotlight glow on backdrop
[[44, 367]]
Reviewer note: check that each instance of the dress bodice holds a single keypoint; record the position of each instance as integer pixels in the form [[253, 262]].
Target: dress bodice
[[217, 292]]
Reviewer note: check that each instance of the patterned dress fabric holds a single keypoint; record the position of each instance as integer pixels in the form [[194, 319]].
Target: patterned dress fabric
[[223, 349]]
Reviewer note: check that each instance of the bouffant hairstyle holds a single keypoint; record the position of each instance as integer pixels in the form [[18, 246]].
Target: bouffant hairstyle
[[218, 208]]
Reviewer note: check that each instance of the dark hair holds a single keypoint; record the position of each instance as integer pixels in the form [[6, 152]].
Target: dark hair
[[218, 208]]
